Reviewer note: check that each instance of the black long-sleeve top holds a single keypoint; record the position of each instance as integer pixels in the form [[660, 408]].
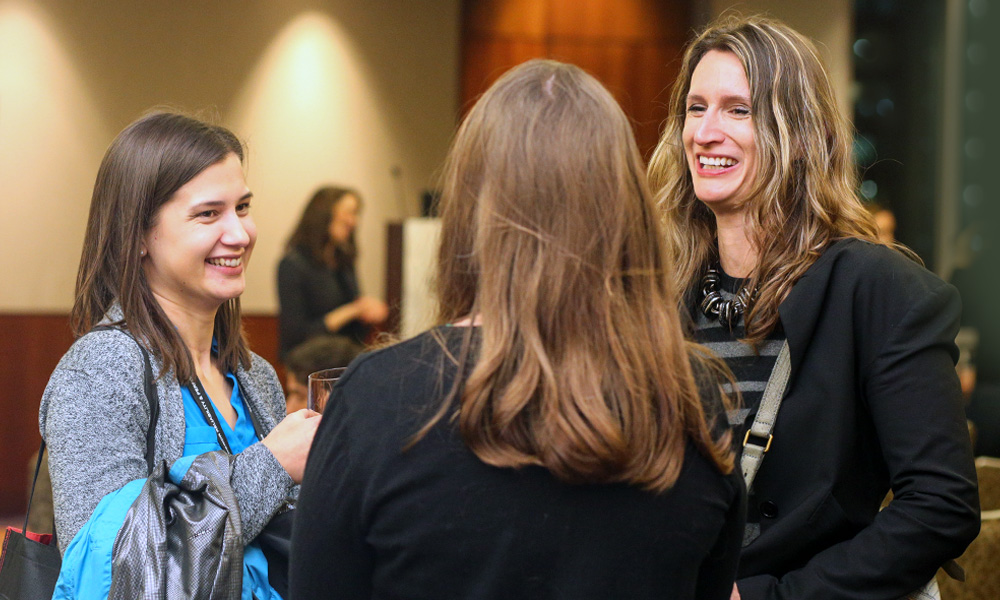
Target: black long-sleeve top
[[307, 291], [375, 521]]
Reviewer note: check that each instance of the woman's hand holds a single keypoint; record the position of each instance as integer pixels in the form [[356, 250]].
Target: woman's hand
[[290, 441], [372, 310], [367, 309]]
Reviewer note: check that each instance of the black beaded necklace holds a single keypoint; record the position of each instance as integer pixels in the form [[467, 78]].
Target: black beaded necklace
[[728, 312]]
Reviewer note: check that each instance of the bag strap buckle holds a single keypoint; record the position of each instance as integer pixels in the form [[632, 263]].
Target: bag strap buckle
[[758, 440]]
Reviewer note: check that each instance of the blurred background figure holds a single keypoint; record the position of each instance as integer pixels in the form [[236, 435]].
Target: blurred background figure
[[885, 221], [982, 398], [323, 352], [983, 410], [317, 286]]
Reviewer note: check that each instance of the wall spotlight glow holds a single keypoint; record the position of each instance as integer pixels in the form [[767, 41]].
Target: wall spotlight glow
[[312, 117], [51, 140]]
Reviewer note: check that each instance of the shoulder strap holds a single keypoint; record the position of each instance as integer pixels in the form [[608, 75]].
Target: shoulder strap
[[149, 386], [34, 480], [758, 438]]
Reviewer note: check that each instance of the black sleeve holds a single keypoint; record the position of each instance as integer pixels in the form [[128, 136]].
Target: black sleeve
[[294, 324], [914, 397], [330, 558], [757, 587], [718, 570]]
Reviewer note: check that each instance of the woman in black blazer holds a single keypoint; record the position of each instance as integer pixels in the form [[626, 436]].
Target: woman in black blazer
[[317, 286], [772, 244]]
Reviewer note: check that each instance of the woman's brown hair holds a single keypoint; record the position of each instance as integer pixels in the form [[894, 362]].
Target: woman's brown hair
[[805, 185], [149, 161], [312, 235], [551, 237]]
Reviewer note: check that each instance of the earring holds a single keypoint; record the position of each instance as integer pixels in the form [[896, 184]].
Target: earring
[[142, 252]]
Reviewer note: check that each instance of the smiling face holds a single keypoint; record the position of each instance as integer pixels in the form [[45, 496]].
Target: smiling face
[[718, 132], [201, 240], [344, 218]]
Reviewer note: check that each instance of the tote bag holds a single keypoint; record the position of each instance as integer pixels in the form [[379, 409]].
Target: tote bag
[[29, 562]]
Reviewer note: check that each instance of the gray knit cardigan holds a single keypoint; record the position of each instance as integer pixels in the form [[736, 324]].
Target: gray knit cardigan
[[94, 416]]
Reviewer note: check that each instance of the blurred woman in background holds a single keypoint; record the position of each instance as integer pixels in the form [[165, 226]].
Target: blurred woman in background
[[317, 286], [555, 436], [772, 245]]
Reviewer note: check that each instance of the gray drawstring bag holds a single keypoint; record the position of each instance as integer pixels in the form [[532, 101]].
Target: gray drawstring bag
[[182, 541]]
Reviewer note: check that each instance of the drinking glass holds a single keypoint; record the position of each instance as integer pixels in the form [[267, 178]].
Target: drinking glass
[[321, 386]]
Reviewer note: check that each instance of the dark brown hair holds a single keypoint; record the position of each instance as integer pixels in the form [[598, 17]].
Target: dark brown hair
[[551, 236], [318, 353], [805, 185], [312, 235], [149, 161]]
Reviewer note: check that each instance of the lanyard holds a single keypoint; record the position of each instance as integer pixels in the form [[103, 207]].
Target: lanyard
[[201, 399]]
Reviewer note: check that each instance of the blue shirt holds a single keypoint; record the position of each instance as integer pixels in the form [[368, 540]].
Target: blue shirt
[[199, 438], [86, 565]]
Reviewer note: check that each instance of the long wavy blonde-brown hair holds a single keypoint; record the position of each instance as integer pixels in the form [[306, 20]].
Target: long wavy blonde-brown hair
[[805, 185], [551, 237]]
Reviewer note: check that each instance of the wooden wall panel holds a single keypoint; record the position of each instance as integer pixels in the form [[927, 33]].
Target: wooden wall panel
[[30, 347], [621, 20], [262, 335], [655, 70], [488, 58], [394, 275], [507, 18], [632, 46]]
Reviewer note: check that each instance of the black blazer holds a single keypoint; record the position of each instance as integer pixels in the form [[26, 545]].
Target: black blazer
[[873, 401], [306, 292]]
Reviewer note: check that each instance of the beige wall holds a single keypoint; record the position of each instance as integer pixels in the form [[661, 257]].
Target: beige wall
[[342, 91], [829, 24]]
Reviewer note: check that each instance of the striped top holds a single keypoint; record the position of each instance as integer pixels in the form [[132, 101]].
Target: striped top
[[751, 371]]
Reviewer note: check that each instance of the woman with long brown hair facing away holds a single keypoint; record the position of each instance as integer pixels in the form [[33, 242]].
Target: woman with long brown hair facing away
[[555, 436], [755, 175]]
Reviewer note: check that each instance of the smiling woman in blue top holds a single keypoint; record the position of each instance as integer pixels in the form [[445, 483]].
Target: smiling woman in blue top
[[168, 241]]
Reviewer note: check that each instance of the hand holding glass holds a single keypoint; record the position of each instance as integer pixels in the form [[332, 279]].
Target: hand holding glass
[[321, 386]]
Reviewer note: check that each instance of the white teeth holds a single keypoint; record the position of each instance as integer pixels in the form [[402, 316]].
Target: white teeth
[[226, 262], [716, 161]]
